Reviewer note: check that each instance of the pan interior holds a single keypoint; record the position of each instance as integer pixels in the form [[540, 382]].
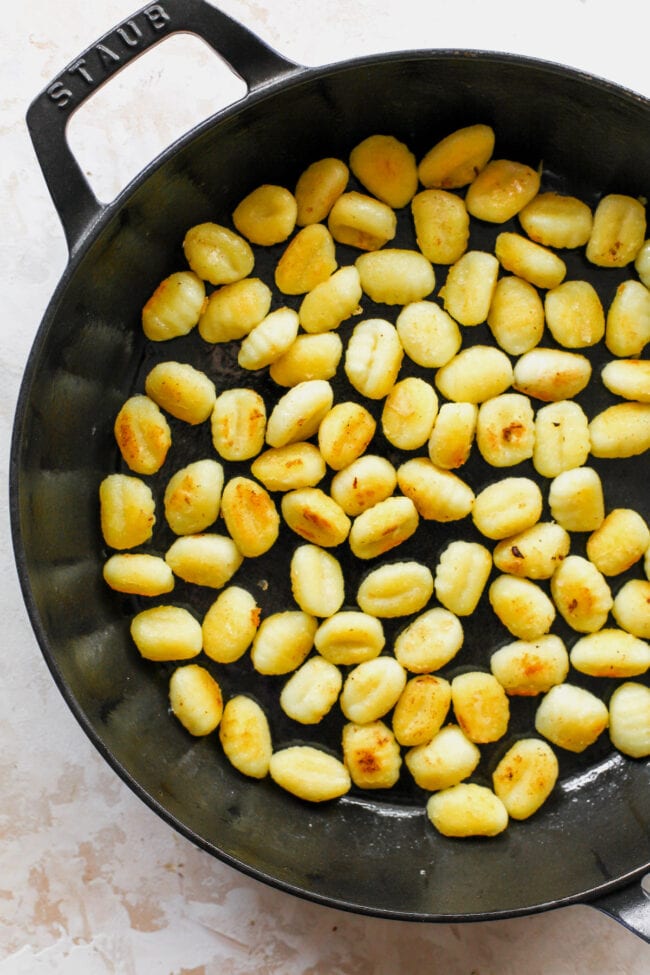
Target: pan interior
[[374, 853]]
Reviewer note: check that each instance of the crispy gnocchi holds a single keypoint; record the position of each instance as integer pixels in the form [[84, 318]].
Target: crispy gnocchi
[[395, 353]]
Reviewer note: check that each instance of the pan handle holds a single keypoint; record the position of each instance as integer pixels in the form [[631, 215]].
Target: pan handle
[[48, 115], [629, 905]]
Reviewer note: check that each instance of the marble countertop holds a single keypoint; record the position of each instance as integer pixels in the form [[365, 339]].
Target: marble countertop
[[91, 881]]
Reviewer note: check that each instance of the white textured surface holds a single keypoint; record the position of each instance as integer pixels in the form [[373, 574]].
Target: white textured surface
[[91, 881]]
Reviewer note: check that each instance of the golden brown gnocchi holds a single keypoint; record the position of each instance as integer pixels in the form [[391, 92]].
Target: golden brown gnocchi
[[318, 188], [457, 159], [238, 424], [250, 515], [308, 260], [421, 709], [245, 736], [525, 777], [233, 310], [371, 754], [441, 223], [303, 469], [230, 624], [387, 168], [192, 498], [142, 434]]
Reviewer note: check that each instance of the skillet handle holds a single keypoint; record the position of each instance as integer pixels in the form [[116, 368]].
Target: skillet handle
[[48, 115], [630, 906]]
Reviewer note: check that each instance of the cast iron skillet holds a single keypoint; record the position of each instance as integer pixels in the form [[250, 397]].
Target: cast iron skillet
[[374, 854]]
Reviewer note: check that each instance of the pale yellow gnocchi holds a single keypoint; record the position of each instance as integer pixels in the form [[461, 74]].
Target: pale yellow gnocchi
[[629, 719], [166, 633], [309, 773], [409, 413], [429, 641], [127, 511], [396, 589], [361, 221], [571, 717], [312, 691], [331, 302], [218, 254], [469, 287], [195, 698], [429, 335], [449, 758], [387, 168], [317, 581], [138, 573], [467, 809], [208, 559], [371, 689], [462, 573], [373, 357], [350, 637]]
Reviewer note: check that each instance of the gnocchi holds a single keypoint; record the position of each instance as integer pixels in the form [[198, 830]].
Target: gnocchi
[[449, 758], [371, 754], [180, 389], [349, 432]]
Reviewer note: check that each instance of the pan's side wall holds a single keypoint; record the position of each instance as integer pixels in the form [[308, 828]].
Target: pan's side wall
[[374, 856]]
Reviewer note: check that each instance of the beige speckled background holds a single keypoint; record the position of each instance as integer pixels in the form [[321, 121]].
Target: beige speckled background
[[91, 881]]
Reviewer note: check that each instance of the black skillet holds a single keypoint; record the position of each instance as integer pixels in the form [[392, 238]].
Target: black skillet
[[371, 853]]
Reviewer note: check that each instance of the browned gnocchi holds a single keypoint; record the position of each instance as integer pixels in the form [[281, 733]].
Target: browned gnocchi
[[341, 392]]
